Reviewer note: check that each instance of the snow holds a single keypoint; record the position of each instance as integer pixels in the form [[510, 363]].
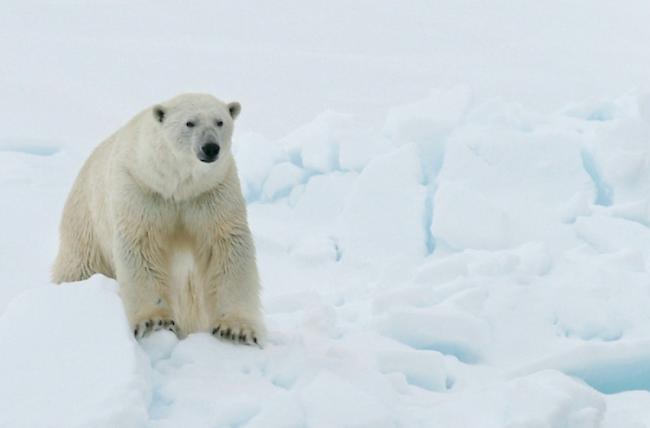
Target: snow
[[384, 211], [546, 398], [88, 368], [609, 368], [522, 187], [281, 179], [428, 119], [450, 204]]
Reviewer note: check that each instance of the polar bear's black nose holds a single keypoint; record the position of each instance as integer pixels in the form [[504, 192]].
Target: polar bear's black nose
[[209, 152]]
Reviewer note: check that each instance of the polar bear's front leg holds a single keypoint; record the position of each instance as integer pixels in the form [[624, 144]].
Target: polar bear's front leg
[[143, 286], [234, 282], [140, 226]]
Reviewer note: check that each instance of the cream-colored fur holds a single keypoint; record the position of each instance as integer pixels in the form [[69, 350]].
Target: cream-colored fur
[[171, 229]]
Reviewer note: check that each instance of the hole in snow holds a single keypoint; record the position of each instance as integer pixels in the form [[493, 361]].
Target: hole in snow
[[611, 377], [603, 190]]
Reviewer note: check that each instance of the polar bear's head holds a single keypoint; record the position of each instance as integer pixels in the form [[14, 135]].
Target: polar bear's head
[[197, 126]]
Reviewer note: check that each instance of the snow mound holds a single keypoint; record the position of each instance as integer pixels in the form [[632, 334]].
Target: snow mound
[[498, 189], [69, 359], [429, 119], [547, 398], [385, 211]]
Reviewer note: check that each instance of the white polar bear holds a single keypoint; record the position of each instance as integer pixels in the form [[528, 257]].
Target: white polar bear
[[158, 206]]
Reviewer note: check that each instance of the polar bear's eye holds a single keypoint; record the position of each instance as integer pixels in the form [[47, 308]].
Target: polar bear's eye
[[189, 124], [219, 123]]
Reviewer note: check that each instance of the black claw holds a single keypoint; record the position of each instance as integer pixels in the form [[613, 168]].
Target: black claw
[[215, 331], [135, 332], [242, 337], [255, 340], [172, 322], [160, 322], [147, 324]]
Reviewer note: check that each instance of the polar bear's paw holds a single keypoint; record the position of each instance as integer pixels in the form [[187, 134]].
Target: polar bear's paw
[[237, 330], [146, 327]]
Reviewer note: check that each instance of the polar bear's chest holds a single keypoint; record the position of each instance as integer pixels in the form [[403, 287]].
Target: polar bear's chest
[[182, 266], [187, 289]]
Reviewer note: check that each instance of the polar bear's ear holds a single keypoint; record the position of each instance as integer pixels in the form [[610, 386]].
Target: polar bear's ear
[[234, 108], [159, 113]]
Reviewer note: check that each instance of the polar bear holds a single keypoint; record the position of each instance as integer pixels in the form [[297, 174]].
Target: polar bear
[[158, 206]]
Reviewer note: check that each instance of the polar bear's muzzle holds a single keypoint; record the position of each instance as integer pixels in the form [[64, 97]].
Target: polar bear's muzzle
[[209, 152]]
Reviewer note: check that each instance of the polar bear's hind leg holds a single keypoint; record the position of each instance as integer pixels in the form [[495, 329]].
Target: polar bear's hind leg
[[79, 255]]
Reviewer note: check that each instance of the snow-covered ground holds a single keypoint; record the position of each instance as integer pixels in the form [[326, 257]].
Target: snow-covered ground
[[450, 201]]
